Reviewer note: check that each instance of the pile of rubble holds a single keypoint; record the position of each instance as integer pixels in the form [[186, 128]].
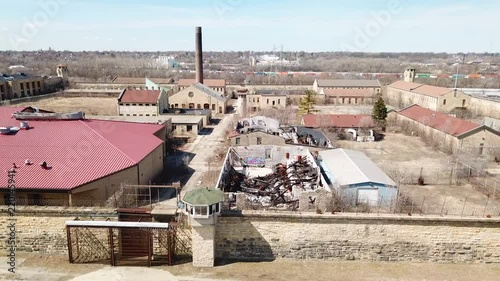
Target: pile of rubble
[[279, 188]]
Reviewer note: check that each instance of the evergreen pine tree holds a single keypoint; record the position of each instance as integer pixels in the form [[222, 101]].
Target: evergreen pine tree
[[307, 103], [379, 113]]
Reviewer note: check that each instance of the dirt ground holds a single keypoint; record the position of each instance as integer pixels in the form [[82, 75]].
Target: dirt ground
[[406, 154], [56, 268], [456, 200], [91, 106], [404, 157]]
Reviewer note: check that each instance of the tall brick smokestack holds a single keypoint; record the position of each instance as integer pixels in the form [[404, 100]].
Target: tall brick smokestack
[[199, 56]]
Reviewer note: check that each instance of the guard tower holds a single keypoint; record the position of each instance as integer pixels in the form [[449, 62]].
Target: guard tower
[[62, 71], [409, 75], [203, 206]]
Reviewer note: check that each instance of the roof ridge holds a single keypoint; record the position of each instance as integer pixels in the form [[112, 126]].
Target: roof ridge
[[354, 163], [105, 139]]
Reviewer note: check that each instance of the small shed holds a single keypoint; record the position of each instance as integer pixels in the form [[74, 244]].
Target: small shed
[[359, 179]]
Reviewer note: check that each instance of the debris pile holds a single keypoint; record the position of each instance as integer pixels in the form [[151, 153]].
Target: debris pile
[[277, 188]]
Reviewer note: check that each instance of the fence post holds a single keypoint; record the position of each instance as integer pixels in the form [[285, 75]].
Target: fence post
[[422, 208], [486, 206], [442, 208], [463, 208], [495, 190]]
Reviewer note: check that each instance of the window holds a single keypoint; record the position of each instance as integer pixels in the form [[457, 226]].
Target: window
[[267, 101], [463, 103], [268, 153], [134, 104], [22, 86], [213, 106], [200, 211], [38, 84], [198, 106], [189, 128], [258, 99], [259, 140], [279, 101], [274, 102], [210, 210], [444, 102], [1, 88], [238, 141], [217, 208]]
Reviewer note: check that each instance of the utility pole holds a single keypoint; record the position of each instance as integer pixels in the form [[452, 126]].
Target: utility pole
[[458, 67]]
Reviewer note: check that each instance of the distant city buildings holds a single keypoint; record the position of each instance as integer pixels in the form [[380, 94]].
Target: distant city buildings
[[265, 60], [167, 62]]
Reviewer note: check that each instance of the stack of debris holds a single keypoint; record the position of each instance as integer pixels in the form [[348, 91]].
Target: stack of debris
[[277, 188]]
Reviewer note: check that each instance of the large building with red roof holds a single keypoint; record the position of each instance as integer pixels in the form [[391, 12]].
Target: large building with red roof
[[402, 94], [446, 132], [84, 159]]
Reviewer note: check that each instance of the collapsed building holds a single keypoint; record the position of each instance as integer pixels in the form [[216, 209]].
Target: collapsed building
[[261, 130], [270, 176]]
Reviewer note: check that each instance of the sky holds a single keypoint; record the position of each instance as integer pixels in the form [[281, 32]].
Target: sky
[[258, 25]]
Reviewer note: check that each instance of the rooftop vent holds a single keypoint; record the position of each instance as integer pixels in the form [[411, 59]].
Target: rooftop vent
[[24, 125]]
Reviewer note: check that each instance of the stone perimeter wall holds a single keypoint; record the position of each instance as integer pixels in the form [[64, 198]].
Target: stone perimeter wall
[[267, 236], [43, 230]]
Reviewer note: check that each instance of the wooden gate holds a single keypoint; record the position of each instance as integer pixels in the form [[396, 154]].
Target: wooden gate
[[135, 243]]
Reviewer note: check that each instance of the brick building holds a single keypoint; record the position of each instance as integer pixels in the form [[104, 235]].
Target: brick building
[[447, 133], [402, 94], [323, 84], [218, 85], [142, 102], [20, 85], [349, 96], [199, 96]]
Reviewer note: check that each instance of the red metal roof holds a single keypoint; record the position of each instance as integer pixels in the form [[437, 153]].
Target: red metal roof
[[422, 89], [76, 151], [140, 96], [439, 121], [338, 121]]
